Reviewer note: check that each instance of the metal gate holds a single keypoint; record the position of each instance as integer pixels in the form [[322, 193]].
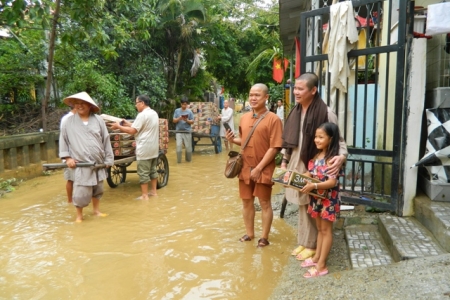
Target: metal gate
[[371, 113]]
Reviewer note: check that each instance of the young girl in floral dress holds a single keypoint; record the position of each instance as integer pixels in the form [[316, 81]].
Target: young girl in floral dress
[[323, 209]]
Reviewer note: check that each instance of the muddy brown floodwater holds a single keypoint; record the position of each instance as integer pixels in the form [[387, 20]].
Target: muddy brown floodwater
[[182, 244]]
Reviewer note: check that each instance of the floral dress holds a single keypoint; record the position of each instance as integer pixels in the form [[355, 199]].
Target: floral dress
[[327, 207]]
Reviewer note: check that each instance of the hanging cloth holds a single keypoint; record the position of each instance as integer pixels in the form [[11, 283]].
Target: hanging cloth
[[343, 38]]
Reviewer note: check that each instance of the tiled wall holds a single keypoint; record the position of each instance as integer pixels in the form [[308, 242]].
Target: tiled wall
[[438, 61]]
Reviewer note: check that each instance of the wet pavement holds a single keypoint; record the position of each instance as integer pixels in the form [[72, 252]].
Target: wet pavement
[[420, 278]]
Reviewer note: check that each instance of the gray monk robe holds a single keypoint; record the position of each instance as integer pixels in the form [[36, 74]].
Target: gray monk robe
[[307, 231], [86, 143]]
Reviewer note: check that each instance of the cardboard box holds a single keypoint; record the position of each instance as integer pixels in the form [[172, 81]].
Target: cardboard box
[[164, 140], [163, 133], [204, 118], [109, 119], [123, 144], [124, 151], [121, 136], [204, 123], [292, 179], [206, 130]]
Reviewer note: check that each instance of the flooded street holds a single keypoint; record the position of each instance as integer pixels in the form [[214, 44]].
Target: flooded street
[[182, 244]]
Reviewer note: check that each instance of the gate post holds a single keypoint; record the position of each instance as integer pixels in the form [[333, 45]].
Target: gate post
[[414, 104]]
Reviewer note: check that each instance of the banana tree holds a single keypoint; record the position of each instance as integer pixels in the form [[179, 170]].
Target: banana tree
[[268, 56], [178, 26]]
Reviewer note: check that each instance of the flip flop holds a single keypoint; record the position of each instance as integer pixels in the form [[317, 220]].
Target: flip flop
[[262, 242], [297, 250], [245, 238], [308, 263], [306, 253], [313, 272]]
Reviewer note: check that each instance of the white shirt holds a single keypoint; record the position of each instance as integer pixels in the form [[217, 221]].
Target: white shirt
[[227, 117], [147, 136], [280, 112]]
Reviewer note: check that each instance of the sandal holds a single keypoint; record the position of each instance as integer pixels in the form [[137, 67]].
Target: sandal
[[308, 263], [306, 253], [262, 242], [245, 238], [297, 250], [313, 272]]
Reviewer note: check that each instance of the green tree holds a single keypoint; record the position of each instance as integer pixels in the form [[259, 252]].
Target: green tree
[[176, 33], [238, 31], [164, 48], [21, 14], [21, 63]]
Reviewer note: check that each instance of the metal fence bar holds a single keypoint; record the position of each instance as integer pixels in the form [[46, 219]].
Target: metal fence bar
[[384, 161]]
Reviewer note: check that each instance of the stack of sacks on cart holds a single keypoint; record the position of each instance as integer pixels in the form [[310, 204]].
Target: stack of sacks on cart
[[123, 144], [205, 115]]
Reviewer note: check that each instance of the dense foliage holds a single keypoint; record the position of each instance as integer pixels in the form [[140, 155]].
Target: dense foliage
[[118, 49]]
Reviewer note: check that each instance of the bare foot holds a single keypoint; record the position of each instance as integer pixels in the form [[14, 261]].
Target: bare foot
[[152, 194], [78, 220], [143, 197], [99, 214]]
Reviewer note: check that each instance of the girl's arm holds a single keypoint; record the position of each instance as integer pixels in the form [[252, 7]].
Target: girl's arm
[[328, 184]]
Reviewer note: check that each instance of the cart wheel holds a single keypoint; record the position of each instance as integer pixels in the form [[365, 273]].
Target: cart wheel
[[162, 168], [116, 175]]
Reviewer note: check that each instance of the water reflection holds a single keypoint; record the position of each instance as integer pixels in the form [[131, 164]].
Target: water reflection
[[179, 245]]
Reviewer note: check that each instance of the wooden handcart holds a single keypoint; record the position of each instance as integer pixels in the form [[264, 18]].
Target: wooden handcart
[[213, 136], [118, 172]]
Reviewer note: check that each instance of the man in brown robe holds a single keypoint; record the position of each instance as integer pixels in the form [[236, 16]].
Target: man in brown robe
[[255, 179]]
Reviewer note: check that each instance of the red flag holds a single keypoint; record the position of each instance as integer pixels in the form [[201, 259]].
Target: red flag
[[297, 57], [278, 70]]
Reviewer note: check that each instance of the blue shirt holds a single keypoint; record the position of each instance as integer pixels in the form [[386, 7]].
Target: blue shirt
[[183, 125]]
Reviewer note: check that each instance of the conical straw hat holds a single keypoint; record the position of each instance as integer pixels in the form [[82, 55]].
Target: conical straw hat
[[84, 97]]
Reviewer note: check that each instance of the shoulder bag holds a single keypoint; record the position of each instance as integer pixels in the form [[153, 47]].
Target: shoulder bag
[[234, 162]]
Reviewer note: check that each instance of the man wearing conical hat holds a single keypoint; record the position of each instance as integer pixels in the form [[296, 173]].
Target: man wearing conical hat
[[85, 138]]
